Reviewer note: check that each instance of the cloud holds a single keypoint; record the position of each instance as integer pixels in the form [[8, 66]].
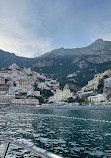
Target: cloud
[[102, 31], [33, 27], [25, 48], [105, 32], [19, 32]]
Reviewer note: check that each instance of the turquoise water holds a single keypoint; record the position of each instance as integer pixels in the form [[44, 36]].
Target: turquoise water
[[68, 133]]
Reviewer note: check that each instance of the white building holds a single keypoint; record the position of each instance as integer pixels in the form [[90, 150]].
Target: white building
[[82, 93], [14, 66], [61, 95], [42, 85], [27, 70], [97, 98], [37, 93]]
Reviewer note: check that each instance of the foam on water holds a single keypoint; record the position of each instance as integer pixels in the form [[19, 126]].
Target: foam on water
[[74, 118], [70, 133]]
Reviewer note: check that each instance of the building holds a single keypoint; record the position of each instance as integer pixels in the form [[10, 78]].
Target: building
[[20, 82], [27, 70], [2, 81], [107, 88], [26, 86], [61, 95], [25, 101], [6, 99], [93, 84], [66, 92], [97, 98], [37, 93], [82, 93], [42, 85], [3, 92], [14, 66]]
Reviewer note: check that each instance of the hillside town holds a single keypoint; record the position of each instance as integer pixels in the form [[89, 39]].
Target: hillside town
[[20, 85], [98, 90]]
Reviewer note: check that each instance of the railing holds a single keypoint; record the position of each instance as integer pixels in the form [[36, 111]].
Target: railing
[[36, 150]]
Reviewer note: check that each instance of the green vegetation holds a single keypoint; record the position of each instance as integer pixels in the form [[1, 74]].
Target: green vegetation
[[41, 80], [100, 86], [6, 80], [41, 99], [110, 67], [79, 100], [36, 87], [59, 63], [70, 100], [46, 93]]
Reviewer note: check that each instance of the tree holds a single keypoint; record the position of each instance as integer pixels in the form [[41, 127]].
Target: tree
[[41, 100], [36, 87], [100, 86], [46, 93], [110, 67], [70, 100]]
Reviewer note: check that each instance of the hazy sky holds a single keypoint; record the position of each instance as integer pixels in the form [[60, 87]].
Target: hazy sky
[[33, 27]]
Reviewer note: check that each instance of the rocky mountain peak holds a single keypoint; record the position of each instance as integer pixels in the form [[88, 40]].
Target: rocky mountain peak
[[97, 45], [98, 41]]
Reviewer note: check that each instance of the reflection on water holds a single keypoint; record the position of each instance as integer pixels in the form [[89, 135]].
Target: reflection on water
[[68, 133]]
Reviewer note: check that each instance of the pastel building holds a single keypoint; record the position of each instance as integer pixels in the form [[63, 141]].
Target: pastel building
[[61, 95], [6, 99], [2, 81], [25, 101], [26, 86], [42, 85]]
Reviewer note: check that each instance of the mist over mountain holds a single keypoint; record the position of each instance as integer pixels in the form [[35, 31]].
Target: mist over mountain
[[7, 59], [73, 66]]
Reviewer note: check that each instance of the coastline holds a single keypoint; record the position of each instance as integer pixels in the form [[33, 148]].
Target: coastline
[[67, 107]]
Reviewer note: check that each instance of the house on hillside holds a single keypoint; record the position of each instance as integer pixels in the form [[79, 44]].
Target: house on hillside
[[107, 88], [97, 98], [61, 95]]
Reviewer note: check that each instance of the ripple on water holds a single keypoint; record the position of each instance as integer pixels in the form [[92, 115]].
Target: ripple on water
[[65, 132]]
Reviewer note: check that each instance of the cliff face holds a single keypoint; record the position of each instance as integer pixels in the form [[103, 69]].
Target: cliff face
[[80, 63], [98, 52], [83, 62]]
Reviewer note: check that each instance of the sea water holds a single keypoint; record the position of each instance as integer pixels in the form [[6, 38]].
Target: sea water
[[68, 133]]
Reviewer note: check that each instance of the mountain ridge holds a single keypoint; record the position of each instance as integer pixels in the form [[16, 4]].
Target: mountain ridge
[[81, 63]]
